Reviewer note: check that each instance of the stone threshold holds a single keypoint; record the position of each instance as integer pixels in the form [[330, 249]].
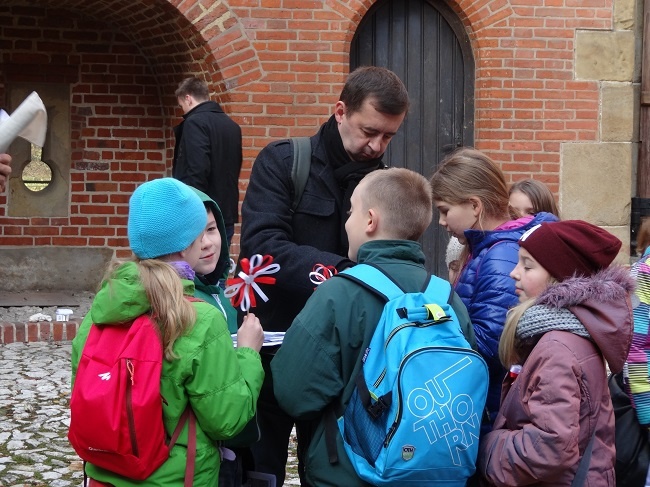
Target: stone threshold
[[44, 331]]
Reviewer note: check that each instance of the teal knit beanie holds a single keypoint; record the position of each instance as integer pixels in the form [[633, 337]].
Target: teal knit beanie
[[165, 217]]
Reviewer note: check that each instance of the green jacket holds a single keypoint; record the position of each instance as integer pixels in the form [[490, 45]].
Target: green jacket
[[213, 294], [321, 350], [207, 287], [220, 382]]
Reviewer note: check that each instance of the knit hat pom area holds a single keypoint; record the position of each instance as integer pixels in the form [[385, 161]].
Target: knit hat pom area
[[165, 217], [454, 250], [570, 247]]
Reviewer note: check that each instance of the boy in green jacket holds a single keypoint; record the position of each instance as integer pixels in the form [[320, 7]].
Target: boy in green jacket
[[321, 351], [214, 263]]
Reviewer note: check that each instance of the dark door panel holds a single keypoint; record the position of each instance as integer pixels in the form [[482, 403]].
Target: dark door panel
[[425, 43]]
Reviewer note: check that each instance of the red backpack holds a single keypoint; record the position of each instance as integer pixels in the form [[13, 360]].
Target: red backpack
[[116, 417]]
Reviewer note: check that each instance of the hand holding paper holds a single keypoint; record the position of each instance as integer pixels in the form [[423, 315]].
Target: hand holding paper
[[28, 121]]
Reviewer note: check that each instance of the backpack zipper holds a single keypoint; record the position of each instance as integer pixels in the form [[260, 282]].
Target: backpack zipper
[[417, 324], [398, 415], [129, 406]]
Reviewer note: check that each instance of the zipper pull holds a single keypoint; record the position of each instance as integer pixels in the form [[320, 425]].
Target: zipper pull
[[131, 369]]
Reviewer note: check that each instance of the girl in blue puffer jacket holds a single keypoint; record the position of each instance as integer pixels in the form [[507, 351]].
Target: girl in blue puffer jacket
[[471, 195]]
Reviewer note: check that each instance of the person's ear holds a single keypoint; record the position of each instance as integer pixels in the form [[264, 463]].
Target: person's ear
[[339, 111], [373, 222], [477, 205]]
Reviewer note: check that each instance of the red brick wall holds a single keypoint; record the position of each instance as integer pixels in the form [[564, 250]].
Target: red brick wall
[[527, 100], [117, 124], [277, 67]]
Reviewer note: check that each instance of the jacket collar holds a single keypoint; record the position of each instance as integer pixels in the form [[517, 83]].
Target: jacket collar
[[480, 239], [206, 106], [379, 251]]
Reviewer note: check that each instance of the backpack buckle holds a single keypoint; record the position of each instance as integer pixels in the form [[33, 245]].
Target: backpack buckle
[[376, 409]]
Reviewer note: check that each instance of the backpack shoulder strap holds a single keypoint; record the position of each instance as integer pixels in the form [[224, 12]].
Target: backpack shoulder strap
[[300, 167], [374, 279]]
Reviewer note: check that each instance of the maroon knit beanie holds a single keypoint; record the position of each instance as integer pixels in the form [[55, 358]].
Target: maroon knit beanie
[[570, 247]]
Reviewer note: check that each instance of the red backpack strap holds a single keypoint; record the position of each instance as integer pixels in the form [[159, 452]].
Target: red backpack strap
[[188, 415], [191, 450]]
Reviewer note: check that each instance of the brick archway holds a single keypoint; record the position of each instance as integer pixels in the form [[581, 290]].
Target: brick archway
[[175, 38], [122, 60]]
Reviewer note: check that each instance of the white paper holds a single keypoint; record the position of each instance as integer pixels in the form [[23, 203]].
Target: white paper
[[28, 121], [271, 338]]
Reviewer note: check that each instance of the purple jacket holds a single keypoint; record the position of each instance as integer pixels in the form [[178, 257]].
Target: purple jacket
[[488, 291], [550, 411]]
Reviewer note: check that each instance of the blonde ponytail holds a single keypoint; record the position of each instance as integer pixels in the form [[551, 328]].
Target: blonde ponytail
[[173, 314]]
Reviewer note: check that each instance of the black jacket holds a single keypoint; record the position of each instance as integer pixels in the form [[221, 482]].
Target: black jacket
[[208, 156], [295, 241]]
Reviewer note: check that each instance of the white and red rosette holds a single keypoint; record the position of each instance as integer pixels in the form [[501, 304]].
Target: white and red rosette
[[242, 288], [321, 273]]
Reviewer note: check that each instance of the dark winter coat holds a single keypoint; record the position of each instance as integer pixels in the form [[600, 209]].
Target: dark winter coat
[[321, 350], [208, 156], [550, 411], [295, 240], [488, 291]]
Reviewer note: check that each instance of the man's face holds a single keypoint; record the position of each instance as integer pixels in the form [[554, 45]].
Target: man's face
[[366, 132]]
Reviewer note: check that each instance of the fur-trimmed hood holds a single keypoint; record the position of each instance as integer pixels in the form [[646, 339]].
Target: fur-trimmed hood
[[602, 304]]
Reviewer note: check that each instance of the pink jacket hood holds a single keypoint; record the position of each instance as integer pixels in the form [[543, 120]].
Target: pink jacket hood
[[602, 304]]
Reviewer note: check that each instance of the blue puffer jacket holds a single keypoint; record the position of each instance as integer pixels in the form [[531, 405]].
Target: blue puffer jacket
[[488, 291]]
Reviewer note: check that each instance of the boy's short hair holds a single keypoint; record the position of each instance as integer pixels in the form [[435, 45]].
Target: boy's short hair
[[195, 87], [405, 199]]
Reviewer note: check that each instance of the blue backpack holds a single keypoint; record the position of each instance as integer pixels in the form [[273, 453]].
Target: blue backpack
[[415, 413]]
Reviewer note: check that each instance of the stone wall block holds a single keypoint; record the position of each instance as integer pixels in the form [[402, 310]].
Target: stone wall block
[[624, 14], [620, 113], [605, 55], [595, 182]]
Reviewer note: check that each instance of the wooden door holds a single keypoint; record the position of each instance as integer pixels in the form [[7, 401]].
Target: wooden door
[[425, 43]]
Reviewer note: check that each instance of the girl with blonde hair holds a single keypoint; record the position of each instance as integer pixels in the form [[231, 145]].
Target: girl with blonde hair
[[555, 426], [201, 369], [471, 195]]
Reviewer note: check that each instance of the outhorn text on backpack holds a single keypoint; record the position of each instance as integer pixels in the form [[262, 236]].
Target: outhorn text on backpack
[[415, 413]]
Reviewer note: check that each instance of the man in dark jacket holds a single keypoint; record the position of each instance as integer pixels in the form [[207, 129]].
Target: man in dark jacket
[[348, 146], [208, 150]]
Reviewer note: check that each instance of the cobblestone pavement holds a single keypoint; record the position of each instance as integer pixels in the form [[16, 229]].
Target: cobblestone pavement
[[34, 418]]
